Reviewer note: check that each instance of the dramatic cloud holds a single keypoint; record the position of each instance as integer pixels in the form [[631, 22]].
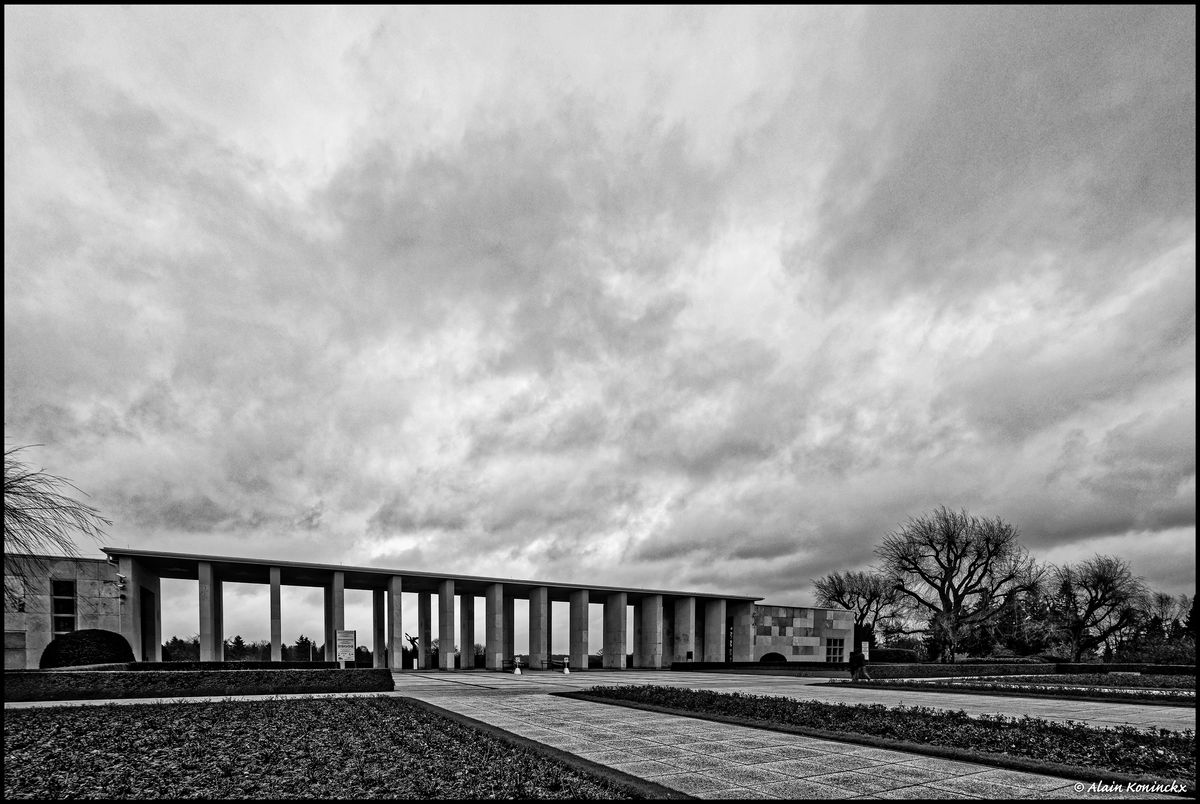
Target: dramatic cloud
[[693, 298]]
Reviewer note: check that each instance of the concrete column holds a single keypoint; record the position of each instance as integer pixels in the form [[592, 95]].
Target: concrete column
[[614, 630], [637, 634], [327, 652], [493, 627], [684, 643], [208, 613], [466, 631], [219, 619], [651, 635], [378, 628], [539, 627], [276, 618], [140, 614], [446, 624], [424, 630], [395, 622], [510, 633], [714, 630], [742, 612], [579, 630], [668, 633], [335, 613]]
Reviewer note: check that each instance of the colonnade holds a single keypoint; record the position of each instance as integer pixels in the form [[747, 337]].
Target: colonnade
[[668, 629]]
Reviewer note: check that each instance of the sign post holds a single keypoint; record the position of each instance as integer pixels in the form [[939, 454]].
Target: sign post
[[866, 651], [346, 641]]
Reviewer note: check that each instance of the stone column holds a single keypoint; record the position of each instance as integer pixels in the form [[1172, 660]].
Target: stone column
[[539, 627], [328, 652], [668, 633], [276, 618], [637, 634], [219, 619], [446, 624], [714, 630], [510, 633], [466, 631], [395, 613], [378, 628], [335, 613], [209, 584], [614, 630], [424, 630], [493, 627], [742, 612], [579, 630], [684, 643], [651, 636]]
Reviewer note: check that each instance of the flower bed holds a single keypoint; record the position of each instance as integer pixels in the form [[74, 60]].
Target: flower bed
[[1162, 690], [382, 748], [69, 685], [1030, 742]]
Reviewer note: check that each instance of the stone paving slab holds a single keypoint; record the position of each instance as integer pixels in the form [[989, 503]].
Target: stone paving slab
[[725, 761]]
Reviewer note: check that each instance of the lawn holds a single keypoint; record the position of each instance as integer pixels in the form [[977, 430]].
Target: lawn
[[300, 748]]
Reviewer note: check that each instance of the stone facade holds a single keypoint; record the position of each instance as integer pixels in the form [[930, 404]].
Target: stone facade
[[803, 634], [30, 625]]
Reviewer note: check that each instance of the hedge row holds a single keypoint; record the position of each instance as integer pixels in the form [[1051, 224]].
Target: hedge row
[[34, 685]]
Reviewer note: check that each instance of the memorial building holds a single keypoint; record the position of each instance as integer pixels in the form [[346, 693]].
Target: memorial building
[[53, 596]]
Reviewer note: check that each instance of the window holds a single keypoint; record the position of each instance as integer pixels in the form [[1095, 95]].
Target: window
[[835, 650], [62, 606]]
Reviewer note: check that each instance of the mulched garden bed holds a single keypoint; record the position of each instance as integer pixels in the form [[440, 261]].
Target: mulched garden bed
[[1101, 688], [319, 748], [1030, 744]]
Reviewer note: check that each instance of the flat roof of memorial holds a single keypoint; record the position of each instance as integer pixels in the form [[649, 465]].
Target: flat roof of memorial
[[299, 573]]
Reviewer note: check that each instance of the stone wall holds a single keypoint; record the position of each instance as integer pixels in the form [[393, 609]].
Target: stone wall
[[801, 634], [28, 626]]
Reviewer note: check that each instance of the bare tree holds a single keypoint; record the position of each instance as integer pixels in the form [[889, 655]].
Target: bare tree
[[40, 518], [1094, 599], [956, 570], [869, 595]]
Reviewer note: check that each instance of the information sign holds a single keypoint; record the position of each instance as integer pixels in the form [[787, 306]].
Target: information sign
[[346, 641]]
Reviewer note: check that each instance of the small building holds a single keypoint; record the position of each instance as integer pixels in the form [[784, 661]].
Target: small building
[[795, 634], [47, 596]]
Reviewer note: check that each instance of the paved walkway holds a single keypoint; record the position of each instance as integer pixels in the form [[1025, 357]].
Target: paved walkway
[[714, 760]]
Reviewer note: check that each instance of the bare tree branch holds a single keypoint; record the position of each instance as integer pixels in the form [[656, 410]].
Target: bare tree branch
[[40, 518]]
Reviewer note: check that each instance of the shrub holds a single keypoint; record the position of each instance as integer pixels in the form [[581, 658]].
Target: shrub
[[893, 655], [89, 646]]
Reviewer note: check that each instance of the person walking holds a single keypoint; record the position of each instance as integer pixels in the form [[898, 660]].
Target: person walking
[[858, 666]]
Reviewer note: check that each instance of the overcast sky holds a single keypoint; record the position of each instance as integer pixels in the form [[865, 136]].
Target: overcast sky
[[691, 298]]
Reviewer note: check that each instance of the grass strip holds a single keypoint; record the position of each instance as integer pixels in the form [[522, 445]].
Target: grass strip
[[1074, 750], [319, 748], [1017, 691]]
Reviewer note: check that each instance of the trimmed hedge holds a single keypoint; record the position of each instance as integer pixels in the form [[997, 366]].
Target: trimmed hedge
[[944, 670], [143, 666], [1153, 669], [86, 646], [36, 685]]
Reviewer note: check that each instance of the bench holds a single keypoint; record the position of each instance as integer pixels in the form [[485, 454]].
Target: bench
[[555, 664], [513, 664]]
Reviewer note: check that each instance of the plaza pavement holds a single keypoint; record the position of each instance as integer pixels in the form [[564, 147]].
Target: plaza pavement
[[722, 761]]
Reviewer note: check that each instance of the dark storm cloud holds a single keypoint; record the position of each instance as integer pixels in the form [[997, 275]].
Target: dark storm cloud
[[1014, 129], [572, 303]]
